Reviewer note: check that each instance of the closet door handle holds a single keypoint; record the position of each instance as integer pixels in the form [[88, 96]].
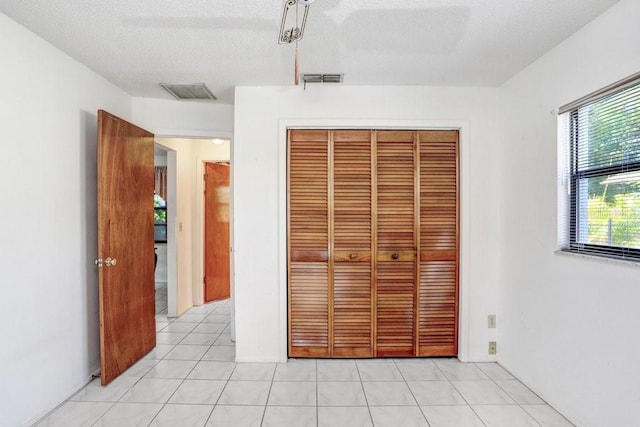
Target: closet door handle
[[395, 255], [353, 255]]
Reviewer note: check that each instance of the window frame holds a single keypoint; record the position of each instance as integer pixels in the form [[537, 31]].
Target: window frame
[[159, 224], [572, 138]]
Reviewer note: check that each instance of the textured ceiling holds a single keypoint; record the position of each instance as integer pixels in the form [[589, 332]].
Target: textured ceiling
[[228, 43]]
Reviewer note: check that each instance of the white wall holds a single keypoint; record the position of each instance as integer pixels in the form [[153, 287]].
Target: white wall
[[259, 172], [568, 326], [160, 159], [49, 284], [169, 117]]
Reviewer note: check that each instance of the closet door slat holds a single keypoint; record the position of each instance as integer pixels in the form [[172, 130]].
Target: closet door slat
[[438, 294], [396, 259], [308, 273], [352, 302]]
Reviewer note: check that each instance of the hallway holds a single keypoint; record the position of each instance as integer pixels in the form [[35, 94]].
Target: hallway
[[191, 379]]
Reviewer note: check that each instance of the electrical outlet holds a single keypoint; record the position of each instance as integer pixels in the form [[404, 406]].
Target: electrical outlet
[[492, 347], [491, 320]]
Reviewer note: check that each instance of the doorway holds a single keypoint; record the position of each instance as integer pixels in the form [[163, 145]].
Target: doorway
[[186, 159]]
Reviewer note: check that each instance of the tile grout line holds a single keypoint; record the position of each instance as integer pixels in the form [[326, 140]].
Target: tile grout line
[[412, 394], [457, 391], [183, 380], [268, 394], [364, 392], [235, 365], [510, 397], [131, 387], [136, 382], [102, 416], [513, 377]]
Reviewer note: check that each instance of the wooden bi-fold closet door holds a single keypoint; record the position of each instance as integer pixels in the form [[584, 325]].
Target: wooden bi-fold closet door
[[308, 269], [352, 307], [373, 243], [438, 242], [396, 249]]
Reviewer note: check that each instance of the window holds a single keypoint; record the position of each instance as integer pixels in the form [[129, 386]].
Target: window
[[603, 132], [159, 219]]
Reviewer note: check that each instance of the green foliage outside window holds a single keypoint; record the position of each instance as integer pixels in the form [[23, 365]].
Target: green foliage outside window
[[159, 215], [614, 220], [613, 204]]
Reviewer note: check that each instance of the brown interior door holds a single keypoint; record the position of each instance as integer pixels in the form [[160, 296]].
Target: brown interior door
[[309, 274], [125, 244], [438, 275], [352, 244], [396, 244], [216, 230]]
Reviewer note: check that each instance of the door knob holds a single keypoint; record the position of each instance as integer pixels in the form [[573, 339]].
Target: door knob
[[109, 262], [353, 255], [394, 255]]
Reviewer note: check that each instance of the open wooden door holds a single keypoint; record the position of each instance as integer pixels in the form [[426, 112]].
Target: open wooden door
[[125, 244], [217, 281]]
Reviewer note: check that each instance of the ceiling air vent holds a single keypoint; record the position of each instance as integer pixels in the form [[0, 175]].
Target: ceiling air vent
[[322, 78], [189, 91]]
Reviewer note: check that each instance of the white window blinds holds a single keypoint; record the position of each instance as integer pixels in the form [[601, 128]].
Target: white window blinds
[[603, 131]]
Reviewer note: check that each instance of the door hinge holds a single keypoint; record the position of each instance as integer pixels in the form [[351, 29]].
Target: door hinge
[[204, 177], [204, 279]]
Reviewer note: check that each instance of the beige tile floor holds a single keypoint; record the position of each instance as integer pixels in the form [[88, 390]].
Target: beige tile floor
[[191, 379]]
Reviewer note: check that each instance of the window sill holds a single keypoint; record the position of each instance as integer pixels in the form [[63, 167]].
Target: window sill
[[627, 262]]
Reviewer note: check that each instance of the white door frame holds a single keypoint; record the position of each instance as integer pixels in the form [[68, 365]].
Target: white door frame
[[463, 166], [198, 221]]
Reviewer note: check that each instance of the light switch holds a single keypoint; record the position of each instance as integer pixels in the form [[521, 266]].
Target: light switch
[[491, 321]]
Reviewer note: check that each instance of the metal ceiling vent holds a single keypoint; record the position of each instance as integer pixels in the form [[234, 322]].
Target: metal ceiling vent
[[189, 91], [322, 78]]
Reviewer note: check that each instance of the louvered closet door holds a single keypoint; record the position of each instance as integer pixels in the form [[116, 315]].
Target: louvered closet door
[[309, 272], [438, 276], [352, 249], [396, 243], [373, 243]]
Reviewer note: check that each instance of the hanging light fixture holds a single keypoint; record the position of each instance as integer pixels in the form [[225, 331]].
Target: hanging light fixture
[[292, 29]]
